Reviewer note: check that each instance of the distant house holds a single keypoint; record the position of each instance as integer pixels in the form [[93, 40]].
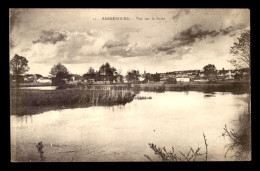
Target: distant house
[[28, 79], [164, 78], [90, 81], [31, 77], [201, 80], [102, 82], [76, 78], [118, 79], [89, 77], [142, 80], [183, 79], [225, 74], [229, 75], [201, 75], [44, 80]]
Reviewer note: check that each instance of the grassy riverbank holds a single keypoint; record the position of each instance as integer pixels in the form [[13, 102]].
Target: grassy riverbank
[[32, 84], [29, 101], [221, 86], [23, 100]]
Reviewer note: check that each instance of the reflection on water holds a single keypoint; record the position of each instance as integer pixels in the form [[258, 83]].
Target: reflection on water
[[41, 88], [122, 133], [206, 95]]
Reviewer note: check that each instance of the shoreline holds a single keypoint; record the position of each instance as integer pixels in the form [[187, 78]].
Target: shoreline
[[234, 87], [33, 101]]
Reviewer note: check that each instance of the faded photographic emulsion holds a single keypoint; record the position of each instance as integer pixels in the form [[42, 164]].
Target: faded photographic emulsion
[[129, 84]]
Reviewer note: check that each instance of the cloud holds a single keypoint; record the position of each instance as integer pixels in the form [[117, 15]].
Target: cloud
[[180, 13], [51, 37], [93, 33], [210, 42], [130, 52], [14, 15], [112, 43], [193, 34], [125, 49], [189, 36], [72, 48], [11, 43], [184, 38], [79, 47], [231, 29], [85, 47], [25, 49], [119, 45]]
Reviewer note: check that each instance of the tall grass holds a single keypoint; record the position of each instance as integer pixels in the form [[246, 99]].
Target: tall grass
[[22, 100], [150, 88], [103, 87]]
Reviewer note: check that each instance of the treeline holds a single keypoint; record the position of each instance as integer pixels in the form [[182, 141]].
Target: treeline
[[107, 74]]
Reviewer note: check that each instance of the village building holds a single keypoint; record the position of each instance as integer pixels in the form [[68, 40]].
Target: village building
[[44, 80], [29, 78], [183, 79], [75, 78]]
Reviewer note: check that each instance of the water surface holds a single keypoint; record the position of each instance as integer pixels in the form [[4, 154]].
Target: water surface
[[122, 133], [41, 88]]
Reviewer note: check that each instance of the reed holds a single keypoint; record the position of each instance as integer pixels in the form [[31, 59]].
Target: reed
[[150, 88], [21, 100]]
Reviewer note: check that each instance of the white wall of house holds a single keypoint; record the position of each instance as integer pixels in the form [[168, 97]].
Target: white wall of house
[[44, 80], [102, 82], [201, 80], [183, 79]]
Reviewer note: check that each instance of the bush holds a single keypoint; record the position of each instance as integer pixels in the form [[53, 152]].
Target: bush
[[165, 155], [240, 140]]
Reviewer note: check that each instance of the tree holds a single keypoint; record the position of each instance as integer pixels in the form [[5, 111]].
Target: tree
[[210, 71], [58, 68], [241, 51], [155, 77], [18, 66], [223, 73], [108, 71], [91, 70], [91, 74], [59, 73], [38, 76], [147, 77], [133, 76]]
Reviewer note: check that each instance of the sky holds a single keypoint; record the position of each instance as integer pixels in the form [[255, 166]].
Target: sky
[[164, 40]]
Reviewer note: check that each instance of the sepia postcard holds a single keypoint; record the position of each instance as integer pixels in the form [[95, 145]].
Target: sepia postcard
[[126, 85]]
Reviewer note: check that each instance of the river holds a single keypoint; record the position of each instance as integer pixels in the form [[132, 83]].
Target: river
[[40, 88], [122, 133]]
